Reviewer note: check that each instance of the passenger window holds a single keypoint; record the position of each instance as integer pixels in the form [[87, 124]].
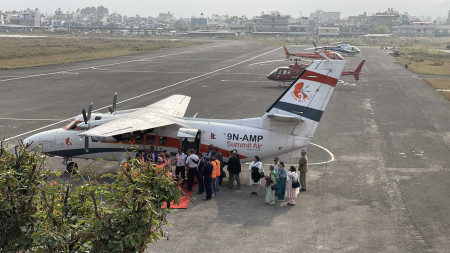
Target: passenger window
[[150, 139], [163, 141], [98, 117]]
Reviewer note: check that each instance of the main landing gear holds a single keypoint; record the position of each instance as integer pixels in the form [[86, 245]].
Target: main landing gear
[[72, 168]]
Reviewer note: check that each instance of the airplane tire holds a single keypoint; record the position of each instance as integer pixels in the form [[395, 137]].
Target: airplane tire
[[72, 168]]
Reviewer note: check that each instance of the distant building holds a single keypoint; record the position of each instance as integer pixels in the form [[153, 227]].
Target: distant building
[[57, 23], [166, 16], [448, 17], [355, 26], [299, 30], [422, 29], [388, 18], [199, 22], [217, 21], [325, 17], [2, 22], [272, 22], [26, 18], [328, 31]]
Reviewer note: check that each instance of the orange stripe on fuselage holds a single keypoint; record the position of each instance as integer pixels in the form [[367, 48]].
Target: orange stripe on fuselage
[[316, 77]]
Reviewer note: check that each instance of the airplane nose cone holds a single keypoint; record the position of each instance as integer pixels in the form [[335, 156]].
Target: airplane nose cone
[[32, 142]]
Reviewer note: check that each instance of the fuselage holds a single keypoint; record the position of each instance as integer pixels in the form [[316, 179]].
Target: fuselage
[[287, 74], [328, 53], [346, 49], [249, 141]]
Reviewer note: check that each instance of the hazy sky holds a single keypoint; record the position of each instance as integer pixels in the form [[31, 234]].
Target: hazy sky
[[250, 8]]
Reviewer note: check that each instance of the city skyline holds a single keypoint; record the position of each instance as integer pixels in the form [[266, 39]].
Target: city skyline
[[187, 9]]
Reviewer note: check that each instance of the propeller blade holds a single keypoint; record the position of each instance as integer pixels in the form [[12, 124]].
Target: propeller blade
[[114, 102], [84, 116], [90, 111], [86, 144]]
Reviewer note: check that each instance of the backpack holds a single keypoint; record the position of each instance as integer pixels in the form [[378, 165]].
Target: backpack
[[255, 174]]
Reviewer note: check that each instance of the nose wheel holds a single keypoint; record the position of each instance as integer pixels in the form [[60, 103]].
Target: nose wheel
[[72, 168]]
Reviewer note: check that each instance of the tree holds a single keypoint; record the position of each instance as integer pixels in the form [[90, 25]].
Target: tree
[[102, 11], [38, 214], [88, 11]]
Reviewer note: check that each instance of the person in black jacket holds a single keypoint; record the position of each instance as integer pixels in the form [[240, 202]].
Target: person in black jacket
[[207, 171], [200, 166], [222, 164], [234, 168]]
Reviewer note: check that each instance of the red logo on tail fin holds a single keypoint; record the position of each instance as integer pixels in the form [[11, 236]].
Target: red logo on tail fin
[[299, 92]]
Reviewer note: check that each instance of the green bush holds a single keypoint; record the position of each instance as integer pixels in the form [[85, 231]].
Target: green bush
[[38, 214]]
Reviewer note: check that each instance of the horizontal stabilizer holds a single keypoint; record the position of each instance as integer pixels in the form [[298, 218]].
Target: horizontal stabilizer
[[283, 118]]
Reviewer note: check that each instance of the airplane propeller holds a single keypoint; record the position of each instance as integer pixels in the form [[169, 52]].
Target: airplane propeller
[[113, 109], [86, 119]]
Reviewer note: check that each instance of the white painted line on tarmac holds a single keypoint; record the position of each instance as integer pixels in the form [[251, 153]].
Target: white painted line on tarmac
[[326, 150], [318, 163], [142, 71], [104, 65], [31, 119], [262, 62], [147, 93], [241, 81]]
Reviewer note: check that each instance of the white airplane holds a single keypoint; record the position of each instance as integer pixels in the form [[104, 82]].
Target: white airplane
[[286, 127]]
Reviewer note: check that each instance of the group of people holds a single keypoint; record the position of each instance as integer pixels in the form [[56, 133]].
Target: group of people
[[160, 159], [208, 170], [279, 183]]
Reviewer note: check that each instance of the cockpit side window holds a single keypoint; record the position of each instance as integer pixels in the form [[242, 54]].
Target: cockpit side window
[[98, 117]]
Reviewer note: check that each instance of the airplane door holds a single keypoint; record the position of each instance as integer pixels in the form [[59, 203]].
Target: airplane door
[[190, 138]]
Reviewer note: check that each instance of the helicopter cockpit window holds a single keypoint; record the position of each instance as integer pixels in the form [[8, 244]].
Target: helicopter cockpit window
[[285, 71], [98, 117]]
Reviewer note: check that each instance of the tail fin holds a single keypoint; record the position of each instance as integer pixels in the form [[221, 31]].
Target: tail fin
[[286, 52], [358, 70], [307, 97], [315, 46]]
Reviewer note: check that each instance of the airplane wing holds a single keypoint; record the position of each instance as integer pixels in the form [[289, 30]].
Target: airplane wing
[[152, 116]]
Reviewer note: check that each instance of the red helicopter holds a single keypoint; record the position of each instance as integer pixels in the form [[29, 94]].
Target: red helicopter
[[315, 55], [289, 74]]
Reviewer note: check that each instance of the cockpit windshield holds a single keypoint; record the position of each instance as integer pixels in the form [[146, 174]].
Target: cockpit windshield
[[72, 125], [274, 72]]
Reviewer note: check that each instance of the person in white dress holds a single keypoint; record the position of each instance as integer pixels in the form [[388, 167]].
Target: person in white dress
[[291, 193], [255, 166]]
